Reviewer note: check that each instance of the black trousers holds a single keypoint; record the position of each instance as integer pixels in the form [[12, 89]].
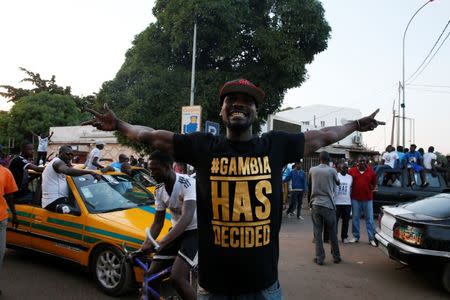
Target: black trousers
[[343, 212], [52, 206], [41, 155], [295, 201]]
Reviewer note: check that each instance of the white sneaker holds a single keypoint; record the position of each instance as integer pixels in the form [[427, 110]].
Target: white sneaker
[[373, 243], [300, 218], [346, 241], [289, 215], [353, 240]]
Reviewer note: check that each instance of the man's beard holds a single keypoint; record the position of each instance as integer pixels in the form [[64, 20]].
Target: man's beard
[[238, 127]]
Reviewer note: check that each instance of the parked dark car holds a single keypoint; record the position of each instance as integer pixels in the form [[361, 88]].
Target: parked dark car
[[393, 187], [418, 234]]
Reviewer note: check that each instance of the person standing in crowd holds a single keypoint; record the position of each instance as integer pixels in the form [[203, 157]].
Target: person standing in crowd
[[43, 140], [117, 164], [95, 156], [176, 193], [54, 185], [390, 157], [241, 166], [298, 185], [401, 157], [429, 159], [364, 182], [19, 167], [323, 181], [7, 188], [343, 200], [413, 159]]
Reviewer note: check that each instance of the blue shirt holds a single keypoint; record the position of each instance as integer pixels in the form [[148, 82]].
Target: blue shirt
[[412, 157], [116, 165], [298, 179]]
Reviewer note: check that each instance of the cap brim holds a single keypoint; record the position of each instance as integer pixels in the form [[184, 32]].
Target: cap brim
[[254, 92]]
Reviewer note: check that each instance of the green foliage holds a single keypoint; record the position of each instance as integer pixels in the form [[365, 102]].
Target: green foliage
[[441, 159], [38, 112], [14, 94], [266, 41], [4, 121]]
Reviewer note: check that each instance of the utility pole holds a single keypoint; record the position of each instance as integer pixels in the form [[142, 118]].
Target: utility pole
[[398, 112], [194, 49], [393, 123]]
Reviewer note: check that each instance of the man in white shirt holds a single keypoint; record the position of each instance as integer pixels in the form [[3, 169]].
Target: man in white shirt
[[95, 156], [429, 158], [54, 185], [43, 140], [176, 193], [390, 157], [343, 200]]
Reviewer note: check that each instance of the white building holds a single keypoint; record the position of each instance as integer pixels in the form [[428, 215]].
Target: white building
[[318, 116], [82, 139]]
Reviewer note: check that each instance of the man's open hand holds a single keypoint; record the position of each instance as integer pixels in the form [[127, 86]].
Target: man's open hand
[[106, 121]]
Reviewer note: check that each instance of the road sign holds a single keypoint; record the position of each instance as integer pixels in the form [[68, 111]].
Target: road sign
[[212, 127], [191, 118]]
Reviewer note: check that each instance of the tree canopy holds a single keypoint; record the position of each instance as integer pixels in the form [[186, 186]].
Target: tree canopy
[[40, 111], [36, 109], [266, 41]]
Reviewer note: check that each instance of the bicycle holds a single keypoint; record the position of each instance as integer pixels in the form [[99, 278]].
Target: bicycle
[[143, 260]]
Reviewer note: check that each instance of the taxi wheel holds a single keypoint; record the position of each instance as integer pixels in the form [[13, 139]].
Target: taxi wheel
[[111, 275], [446, 277]]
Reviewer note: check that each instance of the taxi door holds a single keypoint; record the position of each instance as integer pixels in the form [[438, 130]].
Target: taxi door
[[59, 234], [20, 236]]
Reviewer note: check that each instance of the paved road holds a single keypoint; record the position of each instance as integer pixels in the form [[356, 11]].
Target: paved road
[[364, 274]]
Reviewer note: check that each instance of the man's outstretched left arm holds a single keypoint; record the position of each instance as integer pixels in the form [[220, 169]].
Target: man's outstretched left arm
[[315, 139]]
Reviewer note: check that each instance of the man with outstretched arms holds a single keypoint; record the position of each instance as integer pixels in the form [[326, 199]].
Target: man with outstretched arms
[[238, 188], [176, 192]]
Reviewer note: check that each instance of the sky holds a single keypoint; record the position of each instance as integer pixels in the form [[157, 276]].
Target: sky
[[84, 42]]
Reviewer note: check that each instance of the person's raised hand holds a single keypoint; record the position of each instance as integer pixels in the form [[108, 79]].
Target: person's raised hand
[[368, 123], [106, 121]]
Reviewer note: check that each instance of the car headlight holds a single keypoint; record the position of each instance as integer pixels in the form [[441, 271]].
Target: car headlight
[[408, 234]]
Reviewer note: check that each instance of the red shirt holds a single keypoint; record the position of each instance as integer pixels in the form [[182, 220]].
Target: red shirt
[[363, 184]]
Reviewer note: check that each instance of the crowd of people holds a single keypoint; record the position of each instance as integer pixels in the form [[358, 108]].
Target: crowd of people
[[236, 215]]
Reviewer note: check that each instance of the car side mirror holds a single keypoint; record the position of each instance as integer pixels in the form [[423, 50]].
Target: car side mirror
[[67, 209]]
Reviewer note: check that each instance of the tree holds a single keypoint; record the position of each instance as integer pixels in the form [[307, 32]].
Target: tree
[[269, 42], [38, 112], [14, 94]]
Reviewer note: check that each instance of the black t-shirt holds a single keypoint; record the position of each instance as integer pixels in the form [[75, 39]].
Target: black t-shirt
[[238, 206], [18, 167]]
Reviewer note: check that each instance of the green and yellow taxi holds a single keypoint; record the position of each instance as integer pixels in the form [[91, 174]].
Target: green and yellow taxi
[[100, 216], [144, 177]]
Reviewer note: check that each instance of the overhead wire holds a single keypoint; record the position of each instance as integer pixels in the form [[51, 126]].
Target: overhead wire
[[434, 54]]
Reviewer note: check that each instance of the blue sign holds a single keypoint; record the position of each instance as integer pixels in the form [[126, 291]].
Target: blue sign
[[212, 127]]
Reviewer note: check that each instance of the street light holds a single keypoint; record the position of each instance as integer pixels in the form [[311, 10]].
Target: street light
[[403, 71]]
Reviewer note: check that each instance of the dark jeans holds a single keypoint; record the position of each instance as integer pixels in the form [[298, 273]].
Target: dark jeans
[[295, 201], [325, 217], [343, 212], [41, 155], [52, 206]]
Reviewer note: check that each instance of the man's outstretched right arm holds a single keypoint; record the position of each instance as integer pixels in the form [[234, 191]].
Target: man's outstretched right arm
[[107, 121]]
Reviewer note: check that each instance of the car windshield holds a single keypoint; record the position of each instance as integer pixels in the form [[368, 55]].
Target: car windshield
[[144, 177], [437, 206], [111, 193]]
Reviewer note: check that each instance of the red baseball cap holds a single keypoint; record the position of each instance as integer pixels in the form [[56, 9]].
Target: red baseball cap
[[242, 86]]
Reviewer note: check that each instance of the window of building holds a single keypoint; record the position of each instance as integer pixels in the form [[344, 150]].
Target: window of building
[[322, 123]]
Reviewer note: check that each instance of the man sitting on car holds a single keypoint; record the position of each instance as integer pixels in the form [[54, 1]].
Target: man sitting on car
[[54, 185]]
